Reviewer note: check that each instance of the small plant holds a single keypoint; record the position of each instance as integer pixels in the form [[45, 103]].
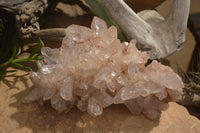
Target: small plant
[[10, 51], [15, 61]]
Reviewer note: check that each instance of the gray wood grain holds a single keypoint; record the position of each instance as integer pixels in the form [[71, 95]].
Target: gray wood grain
[[25, 13]]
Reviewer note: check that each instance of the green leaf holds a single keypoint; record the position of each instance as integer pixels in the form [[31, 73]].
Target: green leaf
[[39, 58], [19, 52], [41, 42], [39, 54], [10, 71], [35, 50], [22, 67], [38, 66]]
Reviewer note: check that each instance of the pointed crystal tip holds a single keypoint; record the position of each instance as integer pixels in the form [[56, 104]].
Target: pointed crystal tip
[[93, 69]]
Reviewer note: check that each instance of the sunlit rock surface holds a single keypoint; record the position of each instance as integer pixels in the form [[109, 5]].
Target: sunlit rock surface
[[93, 70]]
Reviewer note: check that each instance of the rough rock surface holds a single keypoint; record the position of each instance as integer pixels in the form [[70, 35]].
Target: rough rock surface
[[17, 117], [93, 70]]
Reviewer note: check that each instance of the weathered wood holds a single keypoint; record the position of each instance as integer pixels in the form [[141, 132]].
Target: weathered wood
[[158, 36], [50, 35], [25, 13]]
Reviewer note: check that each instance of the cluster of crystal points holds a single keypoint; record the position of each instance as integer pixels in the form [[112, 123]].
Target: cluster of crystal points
[[93, 70]]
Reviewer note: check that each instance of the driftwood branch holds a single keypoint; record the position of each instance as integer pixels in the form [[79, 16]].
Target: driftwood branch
[[128, 20], [157, 36], [50, 35], [25, 13], [178, 18]]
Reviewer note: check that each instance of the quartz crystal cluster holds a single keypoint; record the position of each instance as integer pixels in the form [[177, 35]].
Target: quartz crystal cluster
[[93, 69]]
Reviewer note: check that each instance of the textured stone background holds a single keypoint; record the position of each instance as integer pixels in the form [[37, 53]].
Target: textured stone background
[[16, 117]]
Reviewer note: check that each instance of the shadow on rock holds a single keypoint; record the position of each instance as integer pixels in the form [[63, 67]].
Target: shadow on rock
[[39, 118]]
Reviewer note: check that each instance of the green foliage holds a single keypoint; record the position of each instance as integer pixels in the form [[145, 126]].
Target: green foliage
[[15, 61], [10, 51]]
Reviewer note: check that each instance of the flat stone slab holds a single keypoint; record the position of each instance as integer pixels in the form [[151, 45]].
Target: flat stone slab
[[17, 117]]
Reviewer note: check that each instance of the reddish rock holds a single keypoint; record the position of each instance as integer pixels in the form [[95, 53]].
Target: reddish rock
[[16, 117]]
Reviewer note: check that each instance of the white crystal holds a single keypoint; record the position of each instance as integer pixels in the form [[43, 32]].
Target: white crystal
[[82, 105], [98, 25], [93, 70], [133, 106], [94, 107], [103, 98], [66, 89], [48, 93], [60, 104]]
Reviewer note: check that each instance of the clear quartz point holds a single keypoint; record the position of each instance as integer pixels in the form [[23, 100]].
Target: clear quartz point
[[94, 108], [93, 69], [60, 104], [66, 90]]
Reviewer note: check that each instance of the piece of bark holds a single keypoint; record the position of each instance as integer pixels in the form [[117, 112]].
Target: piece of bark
[[55, 35], [25, 13]]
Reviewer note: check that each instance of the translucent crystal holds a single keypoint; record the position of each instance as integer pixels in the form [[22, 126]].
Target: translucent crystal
[[82, 105], [123, 80], [35, 77], [110, 35], [67, 43], [151, 106], [103, 98], [113, 86], [102, 76], [50, 55], [93, 69], [98, 25], [118, 98], [78, 33], [60, 104], [162, 95], [134, 55], [48, 93], [66, 89], [172, 80], [94, 107], [133, 106], [33, 95]]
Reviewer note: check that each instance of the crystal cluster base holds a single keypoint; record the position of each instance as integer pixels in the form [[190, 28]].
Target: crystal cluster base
[[93, 69]]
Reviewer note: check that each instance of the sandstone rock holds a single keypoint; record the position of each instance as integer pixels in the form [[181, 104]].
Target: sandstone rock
[[17, 117]]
